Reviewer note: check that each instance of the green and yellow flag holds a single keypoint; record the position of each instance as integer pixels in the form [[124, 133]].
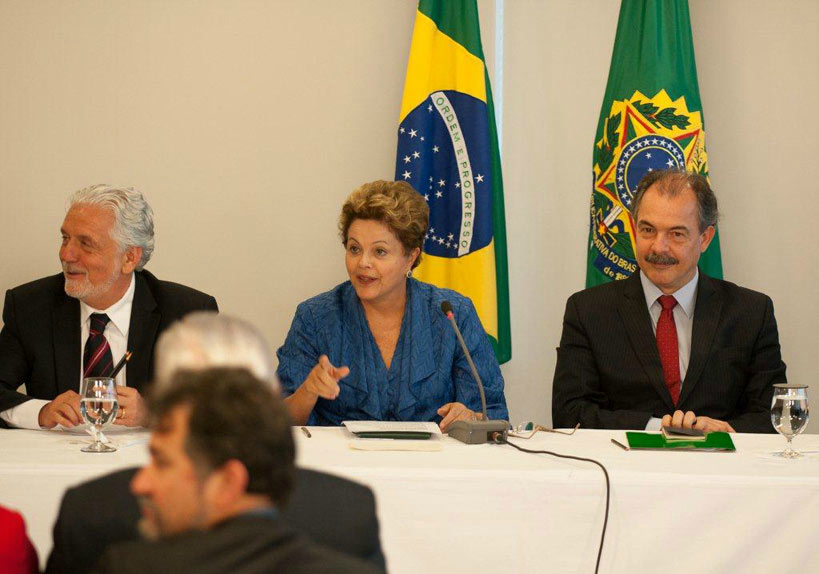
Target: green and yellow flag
[[448, 151], [651, 119]]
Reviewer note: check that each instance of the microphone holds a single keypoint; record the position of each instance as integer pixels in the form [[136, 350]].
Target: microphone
[[472, 432]]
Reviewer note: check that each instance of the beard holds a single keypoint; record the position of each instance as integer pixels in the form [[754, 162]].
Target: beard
[[83, 289], [152, 526], [148, 530]]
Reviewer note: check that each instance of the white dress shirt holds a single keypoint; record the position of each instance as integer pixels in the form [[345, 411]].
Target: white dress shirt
[[27, 414], [683, 312]]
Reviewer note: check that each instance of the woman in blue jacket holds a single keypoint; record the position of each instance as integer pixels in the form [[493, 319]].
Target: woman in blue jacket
[[378, 347]]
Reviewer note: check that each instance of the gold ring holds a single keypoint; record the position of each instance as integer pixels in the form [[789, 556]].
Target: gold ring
[[121, 412]]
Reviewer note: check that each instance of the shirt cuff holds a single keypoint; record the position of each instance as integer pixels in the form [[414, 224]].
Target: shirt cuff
[[654, 424], [26, 415]]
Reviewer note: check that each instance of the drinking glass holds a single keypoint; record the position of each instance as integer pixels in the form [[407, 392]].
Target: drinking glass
[[789, 414], [98, 406]]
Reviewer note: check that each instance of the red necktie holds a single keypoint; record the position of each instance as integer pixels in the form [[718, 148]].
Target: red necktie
[[667, 345], [97, 359]]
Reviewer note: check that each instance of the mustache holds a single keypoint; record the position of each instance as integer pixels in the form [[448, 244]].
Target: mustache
[[661, 259], [69, 269]]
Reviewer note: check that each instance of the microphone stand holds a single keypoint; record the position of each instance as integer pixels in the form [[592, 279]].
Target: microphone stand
[[473, 432]]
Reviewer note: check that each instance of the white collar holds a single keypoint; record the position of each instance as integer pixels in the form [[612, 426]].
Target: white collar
[[686, 295], [119, 313]]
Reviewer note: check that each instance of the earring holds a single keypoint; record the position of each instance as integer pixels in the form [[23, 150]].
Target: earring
[[409, 273]]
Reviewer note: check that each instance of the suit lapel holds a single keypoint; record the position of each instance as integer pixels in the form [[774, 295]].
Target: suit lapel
[[67, 345], [637, 321], [706, 319], [142, 332]]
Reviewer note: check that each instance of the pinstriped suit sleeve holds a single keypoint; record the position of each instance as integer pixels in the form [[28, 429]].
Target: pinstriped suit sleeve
[[577, 393]]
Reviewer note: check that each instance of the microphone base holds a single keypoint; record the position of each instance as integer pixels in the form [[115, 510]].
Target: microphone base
[[476, 432]]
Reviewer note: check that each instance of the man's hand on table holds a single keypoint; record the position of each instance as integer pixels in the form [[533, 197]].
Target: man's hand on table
[[132, 411], [689, 420], [63, 410]]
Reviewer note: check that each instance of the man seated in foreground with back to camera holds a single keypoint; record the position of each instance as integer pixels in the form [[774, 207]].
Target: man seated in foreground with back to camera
[[668, 346], [62, 328], [222, 462], [104, 510]]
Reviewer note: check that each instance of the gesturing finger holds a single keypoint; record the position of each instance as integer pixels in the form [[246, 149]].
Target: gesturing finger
[[339, 372], [324, 362], [335, 372], [323, 384]]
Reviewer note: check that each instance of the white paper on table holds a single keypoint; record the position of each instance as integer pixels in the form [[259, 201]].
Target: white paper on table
[[395, 444]]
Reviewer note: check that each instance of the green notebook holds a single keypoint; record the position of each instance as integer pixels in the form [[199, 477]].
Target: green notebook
[[715, 441]]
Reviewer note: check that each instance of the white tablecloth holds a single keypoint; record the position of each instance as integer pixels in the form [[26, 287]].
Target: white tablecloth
[[494, 509], [490, 508]]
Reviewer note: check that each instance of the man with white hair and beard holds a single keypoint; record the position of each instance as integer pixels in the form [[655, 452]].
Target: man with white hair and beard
[[60, 329]]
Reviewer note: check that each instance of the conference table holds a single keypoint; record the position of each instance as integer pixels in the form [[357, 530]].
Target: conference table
[[491, 508]]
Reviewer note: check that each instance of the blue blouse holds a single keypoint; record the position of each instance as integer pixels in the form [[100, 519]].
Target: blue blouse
[[428, 368]]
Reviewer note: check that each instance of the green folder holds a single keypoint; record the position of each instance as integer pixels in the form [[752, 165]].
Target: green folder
[[715, 441]]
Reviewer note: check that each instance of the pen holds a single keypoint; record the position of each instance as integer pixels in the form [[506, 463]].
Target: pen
[[621, 445], [125, 358], [307, 432]]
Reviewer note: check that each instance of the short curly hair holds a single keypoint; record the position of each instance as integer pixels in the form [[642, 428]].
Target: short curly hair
[[394, 203]]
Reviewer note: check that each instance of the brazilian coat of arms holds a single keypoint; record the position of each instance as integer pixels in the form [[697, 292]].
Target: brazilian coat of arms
[[641, 134]]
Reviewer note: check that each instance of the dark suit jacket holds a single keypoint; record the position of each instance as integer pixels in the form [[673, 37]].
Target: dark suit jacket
[[609, 375], [245, 544], [104, 510], [40, 341]]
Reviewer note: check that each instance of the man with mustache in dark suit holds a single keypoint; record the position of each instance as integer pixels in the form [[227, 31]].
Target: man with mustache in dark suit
[[669, 345]]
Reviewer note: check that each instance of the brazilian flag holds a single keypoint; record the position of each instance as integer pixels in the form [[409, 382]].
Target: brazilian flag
[[448, 151], [651, 119]]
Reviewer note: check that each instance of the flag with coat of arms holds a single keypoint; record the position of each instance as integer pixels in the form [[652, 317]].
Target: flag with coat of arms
[[448, 152], [651, 119]]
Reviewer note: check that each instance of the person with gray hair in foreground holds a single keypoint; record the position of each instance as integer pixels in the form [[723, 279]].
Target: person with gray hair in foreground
[[79, 323], [222, 464], [105, 510], [206, 339]]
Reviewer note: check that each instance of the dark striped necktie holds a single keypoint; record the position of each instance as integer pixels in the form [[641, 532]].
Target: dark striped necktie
[[97, 359]]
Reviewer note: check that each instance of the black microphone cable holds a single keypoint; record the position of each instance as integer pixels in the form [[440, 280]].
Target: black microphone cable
[[501, 439]]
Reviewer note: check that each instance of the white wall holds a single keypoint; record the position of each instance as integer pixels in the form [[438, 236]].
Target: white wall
[[247, 123]]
